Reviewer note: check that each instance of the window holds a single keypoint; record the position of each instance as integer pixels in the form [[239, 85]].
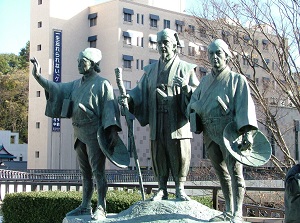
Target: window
[[128, 14], [246, 40], [255, 62], [93, 41], [166, 24], [225, 36], [142, 64], [153, 21], [151, 61], [142, 42], [40, 24], [39, 47], [127, 61], [127, 38], [265, 65], [37, 125], [127, 84], [142, 19], [40, 2], [245, 61], [38, 94], [93, 19], [266, 82], [179, 24], [137, 18], [203, 51], [274, 65], [37, 154], [137, 63], [180, 47], [265, 44], [191, 29], [12, 139], [202, 32], [180, 50], [236, 38], [192, 51]]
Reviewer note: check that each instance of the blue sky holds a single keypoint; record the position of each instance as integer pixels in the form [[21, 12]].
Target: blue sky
[[15, 24]]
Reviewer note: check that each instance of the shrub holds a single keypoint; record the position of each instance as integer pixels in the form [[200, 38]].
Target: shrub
[[52, 206]]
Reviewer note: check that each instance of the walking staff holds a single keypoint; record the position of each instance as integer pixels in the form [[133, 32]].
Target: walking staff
[[125, 111]]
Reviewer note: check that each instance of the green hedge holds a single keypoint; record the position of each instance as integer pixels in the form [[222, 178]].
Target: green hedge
[[52, 206]]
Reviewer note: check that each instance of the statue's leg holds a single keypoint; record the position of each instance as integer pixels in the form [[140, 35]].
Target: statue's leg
[[238, 187], [215, 154], [160, 168], [87, 181], [97, 160], [179, 156]]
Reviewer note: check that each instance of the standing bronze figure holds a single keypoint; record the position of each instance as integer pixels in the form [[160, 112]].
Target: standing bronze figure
[[222, 97], [91, 104], [160, 99]]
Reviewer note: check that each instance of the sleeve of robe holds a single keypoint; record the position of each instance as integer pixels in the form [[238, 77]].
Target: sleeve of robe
[[187, 72], [140, 101], [245, 116], [55, 95], [109, 109]]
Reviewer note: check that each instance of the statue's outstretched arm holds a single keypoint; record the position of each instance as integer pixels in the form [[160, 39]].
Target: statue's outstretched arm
[[37, 75]]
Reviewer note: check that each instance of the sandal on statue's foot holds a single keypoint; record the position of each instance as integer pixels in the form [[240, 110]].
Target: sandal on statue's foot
[[160, 195], [99, 214], [182, 196], [80, 211]]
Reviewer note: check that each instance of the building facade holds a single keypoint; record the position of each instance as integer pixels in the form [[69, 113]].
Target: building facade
[[9, 144], [125, 32]]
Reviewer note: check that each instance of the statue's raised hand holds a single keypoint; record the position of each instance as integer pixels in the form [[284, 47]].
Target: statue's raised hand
[[36, 68]]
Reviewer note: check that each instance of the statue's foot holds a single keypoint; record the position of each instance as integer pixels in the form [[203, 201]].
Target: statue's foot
[[80, 211], [160, 195], [237, 219], [99, 214], [181, 195], [222, 217]]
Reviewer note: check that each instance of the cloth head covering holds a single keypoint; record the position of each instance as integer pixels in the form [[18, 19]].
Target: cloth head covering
[[221, 43], [169, 34], [92, 54]]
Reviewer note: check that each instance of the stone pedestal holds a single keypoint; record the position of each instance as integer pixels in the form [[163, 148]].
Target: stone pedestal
[[156, 211]]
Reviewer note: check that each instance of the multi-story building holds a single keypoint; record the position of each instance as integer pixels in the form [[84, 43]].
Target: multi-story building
[[125, 32]]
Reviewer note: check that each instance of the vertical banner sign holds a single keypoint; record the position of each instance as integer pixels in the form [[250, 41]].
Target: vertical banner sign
[[57, 47]]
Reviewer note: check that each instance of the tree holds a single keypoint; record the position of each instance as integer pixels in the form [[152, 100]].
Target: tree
[[24, 56], [14, 103], [8, 63], [14, 86], [242, 24]]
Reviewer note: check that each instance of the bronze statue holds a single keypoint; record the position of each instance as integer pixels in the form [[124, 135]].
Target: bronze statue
[[91, 103], [292, 195], [222, 97], [160, 99]]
